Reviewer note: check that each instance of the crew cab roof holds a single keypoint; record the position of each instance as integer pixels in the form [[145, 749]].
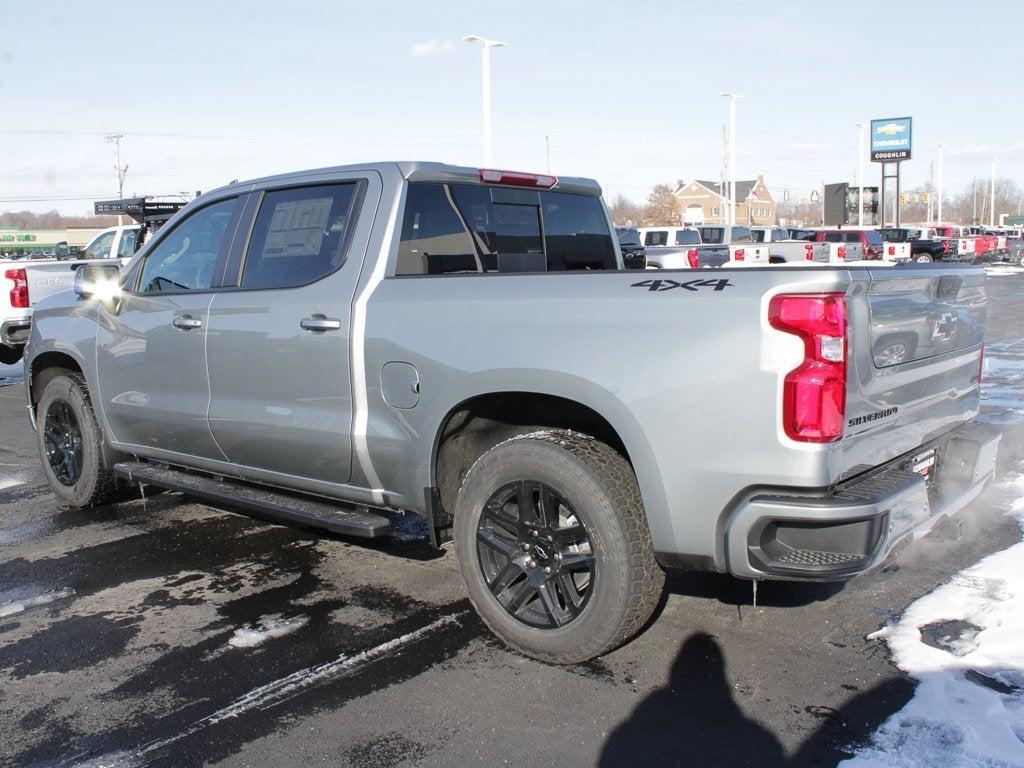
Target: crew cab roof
[[412, 170]]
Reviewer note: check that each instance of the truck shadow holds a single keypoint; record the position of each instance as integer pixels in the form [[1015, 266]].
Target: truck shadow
[[694, 721], [732, 591]]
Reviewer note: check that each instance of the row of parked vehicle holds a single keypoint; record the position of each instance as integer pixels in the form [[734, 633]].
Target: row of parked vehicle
[[737, 245]]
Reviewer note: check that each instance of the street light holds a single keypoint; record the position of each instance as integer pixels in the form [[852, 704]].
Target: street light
[[733, 98], [940, 146], [992, 199], [485, 50], [860, 173]]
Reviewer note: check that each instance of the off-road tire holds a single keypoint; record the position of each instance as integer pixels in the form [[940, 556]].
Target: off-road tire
[[600, 484], [96, 483]]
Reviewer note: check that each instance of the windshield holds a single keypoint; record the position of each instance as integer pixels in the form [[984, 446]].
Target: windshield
[[100, 247]]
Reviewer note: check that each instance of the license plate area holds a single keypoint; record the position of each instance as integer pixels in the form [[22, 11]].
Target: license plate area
[[924, 464]]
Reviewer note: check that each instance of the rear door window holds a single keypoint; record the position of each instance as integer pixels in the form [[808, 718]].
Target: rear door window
[[656, 237], [300, 236]]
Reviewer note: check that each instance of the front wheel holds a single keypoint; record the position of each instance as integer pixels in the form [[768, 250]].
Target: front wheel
[[554, 547], [70, 444]]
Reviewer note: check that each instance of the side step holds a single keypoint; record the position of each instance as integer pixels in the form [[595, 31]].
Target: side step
[[345, 520]]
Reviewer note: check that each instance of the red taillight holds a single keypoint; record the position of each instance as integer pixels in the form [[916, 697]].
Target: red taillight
[[892, 250], [841, 252], [809, 252], [694, 258], [946, 246], [740, 254], [19, 293], [516, 179], [814, 395]]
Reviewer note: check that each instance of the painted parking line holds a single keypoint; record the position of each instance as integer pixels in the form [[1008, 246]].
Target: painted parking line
[[281, 690]]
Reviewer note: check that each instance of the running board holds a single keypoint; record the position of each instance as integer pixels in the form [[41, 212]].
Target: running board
[[337, 518]]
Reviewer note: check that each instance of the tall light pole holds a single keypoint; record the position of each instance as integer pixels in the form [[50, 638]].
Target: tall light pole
[[992, 198], [733, 98], [860, 173], [940, 146], [485, 50]]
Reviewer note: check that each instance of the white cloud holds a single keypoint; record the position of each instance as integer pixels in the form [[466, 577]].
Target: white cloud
[[431, 47]]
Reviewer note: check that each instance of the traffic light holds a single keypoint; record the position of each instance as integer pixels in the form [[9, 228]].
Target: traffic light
[[926, 196], [904, 198]]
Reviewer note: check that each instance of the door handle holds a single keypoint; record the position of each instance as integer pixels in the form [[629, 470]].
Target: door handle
[[186, 322], [319, 323]]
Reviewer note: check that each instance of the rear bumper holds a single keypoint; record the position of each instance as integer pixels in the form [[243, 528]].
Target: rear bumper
[[860, 523]]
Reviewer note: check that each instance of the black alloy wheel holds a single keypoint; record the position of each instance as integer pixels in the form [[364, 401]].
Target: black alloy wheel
[[535, 554], [62, 437]]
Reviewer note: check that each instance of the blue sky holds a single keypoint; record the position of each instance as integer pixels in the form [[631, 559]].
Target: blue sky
[[206, 92]]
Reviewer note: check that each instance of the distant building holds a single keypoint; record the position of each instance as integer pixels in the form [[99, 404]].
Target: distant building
[[17, 241], [707, 202]]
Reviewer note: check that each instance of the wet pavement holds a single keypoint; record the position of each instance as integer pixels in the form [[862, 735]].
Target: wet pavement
[[160, 631]]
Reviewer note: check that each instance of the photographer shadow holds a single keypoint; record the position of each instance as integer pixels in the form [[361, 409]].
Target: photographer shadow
[[694, 721]]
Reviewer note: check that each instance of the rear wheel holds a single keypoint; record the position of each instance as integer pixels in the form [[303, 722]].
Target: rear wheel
[[554, 547], [924, 258], [70, 444]]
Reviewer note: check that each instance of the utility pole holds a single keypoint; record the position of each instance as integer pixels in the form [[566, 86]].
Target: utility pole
[[860, 173], [485, 64], [733, 98], [940, 146], [119, 171], [992, 202]]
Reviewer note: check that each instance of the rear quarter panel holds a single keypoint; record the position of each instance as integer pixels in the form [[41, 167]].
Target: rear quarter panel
[[678, 369]]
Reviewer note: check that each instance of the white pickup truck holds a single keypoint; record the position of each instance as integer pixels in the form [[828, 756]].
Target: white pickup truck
[[29, 280]]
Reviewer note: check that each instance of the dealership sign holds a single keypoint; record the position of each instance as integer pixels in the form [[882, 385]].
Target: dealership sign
[[890, 140]]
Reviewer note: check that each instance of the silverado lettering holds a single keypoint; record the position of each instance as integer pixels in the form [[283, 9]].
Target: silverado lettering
[[873, 416]]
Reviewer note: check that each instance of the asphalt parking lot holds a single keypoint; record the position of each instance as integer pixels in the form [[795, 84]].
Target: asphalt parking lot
[[164, 632]]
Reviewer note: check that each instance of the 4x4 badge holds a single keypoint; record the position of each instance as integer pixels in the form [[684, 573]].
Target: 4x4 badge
[[689, 285]]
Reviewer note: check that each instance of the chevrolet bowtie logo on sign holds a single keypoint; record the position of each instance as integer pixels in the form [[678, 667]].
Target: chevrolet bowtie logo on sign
[[890, 139]]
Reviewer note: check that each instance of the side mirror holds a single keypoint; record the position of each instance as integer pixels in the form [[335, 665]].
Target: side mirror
[[98, 281]]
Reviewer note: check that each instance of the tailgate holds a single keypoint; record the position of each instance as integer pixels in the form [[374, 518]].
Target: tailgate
[[915, 339]]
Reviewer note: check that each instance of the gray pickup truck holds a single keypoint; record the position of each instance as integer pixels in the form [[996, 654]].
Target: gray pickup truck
[[336, 346]]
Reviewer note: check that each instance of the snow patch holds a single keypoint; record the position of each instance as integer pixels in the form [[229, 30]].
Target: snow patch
[[962, 642], [1002, 382], [267, 628], [998, 270], [34, 602]]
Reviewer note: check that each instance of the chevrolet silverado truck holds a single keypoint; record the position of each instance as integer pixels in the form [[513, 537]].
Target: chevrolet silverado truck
[[335, 347], [922, 249], [27, 282]]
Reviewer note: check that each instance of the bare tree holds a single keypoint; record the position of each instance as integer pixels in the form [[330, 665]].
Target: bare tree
[[625, 212], [662, 208]]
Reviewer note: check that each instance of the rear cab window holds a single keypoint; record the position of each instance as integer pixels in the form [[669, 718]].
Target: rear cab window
[[872, 237], [712, 235], [629, 238], [656, 237], [687, 237], [453, 228]]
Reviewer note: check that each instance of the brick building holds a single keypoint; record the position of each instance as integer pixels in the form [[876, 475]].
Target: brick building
[[707, 201]]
